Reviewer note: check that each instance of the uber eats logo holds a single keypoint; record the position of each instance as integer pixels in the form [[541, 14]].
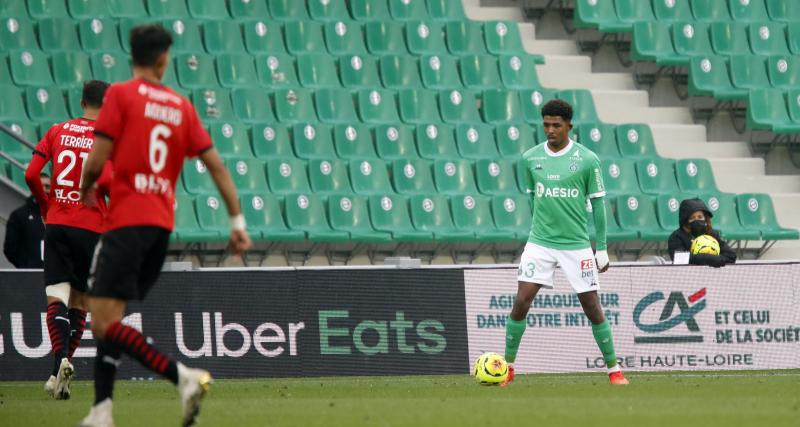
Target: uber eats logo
[[560, 192], [339, 334], [677, 310]]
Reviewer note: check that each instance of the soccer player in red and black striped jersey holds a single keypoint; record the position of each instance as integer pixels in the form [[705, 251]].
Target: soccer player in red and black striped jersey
[[146, 130], [72, 231]]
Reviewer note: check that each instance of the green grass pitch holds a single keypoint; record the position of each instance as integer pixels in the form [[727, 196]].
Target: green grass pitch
[[758, 398]]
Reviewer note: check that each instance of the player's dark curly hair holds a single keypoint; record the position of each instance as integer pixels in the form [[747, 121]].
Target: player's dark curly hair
[[148, 42], [93, 93], [557, 108]]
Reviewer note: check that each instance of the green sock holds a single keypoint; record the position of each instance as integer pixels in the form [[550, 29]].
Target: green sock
[[514, 331], [602, 334]]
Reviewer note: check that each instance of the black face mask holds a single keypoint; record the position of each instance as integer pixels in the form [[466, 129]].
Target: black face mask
[[697, 227]]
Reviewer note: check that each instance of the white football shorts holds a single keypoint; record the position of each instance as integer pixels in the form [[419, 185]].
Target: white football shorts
[[538, 264]]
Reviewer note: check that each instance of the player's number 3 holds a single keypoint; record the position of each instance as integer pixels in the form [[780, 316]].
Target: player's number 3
[[158, 147]]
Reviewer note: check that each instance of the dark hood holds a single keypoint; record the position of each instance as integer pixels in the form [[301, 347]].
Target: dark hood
[[688, 207]]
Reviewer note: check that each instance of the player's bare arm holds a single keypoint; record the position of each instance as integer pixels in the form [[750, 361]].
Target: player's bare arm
[[239, 240], [93, 166]]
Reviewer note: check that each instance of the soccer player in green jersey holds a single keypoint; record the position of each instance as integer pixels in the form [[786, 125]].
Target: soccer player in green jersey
[[561, 176]]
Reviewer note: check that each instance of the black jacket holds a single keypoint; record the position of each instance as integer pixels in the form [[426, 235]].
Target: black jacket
[[681, 241], [24, 234]]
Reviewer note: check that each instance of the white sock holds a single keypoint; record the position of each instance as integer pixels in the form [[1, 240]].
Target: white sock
[[614, 369]]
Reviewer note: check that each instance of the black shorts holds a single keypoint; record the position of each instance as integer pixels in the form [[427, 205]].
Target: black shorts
[[129, 260], [68, 253]]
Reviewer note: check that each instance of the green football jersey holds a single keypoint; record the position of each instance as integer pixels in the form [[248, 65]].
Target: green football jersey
[[561, 185]]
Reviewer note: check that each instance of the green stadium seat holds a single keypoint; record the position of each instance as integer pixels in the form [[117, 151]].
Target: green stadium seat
[[270, 141], [513, 213], [45, 9], [306, 212], [264, 219], [418, 106], [501, 106], [13, 147], [251, 106], [432, 213], [667, 207], [630, 12], [389, 213], [287, 175], [230, 139], [672, 10], [11, 103], [98, 35], [71, 69], [212, 215], [613, 231], [304, 37], [582, 104], [29, 67], [412, 176], [636, 213], [695, 176], [496, 177], [710, 11], [748, 71], [652, 42], [446, 10], [395, 142], [263, 37], [748, 11], [196, 70], [353, 140], [400, 72], [439, 72], [196, 179], [599, 14], [515, 139], [236, 70], [276, 71], [313, 141], [328, 11], [127, 24], [793, 34], [56, 34], [45, 103], [5, 72], [729, 38], [768, 39], [600, 138], [532, 101], [187, 229], [248, 175], [458, 106], [74, 95], [385, 38], [288, 10], [204, 9], [185, 36], [223, 37], [503, 37], [408, 10], [766, 109], [111, 66], [479, 71], [708, 76], [783, 10], [349, 213], [473, 213], [14, 8], [656, 175], [425, 38], [370, 10], [126, 9], [794, 105], [16, 32], [168, 8], [213, 104], [344, 38], [757, 213], [454, 177], [465, 38], [317, 71], [691, 38], [359, 72], [519, 71], [335, 106], [636, 140], [784, 71], [370, 176], [329, 176], [377, 106], [244, 9], [437, 141], [725, 218], [476, 141], [294, 106], [619, 176]]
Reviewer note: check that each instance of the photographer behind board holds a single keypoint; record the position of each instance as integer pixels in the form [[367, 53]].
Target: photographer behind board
[[695, 224]]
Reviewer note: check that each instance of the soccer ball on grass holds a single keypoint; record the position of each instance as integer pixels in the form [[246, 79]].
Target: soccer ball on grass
[[705, 244], [490, 369]]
